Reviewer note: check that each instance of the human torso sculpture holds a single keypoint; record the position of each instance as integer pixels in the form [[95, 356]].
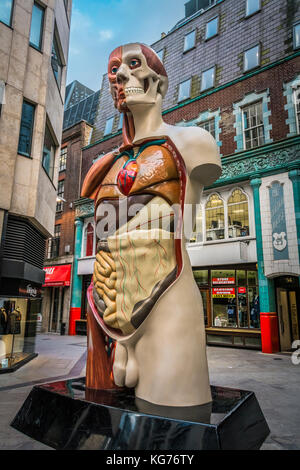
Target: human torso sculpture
[[143, 294]]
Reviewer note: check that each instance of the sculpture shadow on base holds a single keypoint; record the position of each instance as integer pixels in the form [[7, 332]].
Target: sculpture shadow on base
[[66, 415]]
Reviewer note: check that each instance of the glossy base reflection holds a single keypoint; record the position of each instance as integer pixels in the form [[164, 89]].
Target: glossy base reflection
[[66, 415]]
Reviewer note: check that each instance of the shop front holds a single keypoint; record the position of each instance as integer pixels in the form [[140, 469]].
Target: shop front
[[20, 305], [56, 298], [288, 308], [231, 305]]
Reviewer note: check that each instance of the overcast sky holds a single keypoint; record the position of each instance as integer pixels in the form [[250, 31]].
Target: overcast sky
[[98, 26]]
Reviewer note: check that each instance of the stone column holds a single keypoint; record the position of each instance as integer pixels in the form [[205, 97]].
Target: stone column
[[268, 314], [75, 311], [294, 176]]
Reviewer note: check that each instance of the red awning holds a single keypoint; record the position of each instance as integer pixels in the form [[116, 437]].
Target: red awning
[[57, 275]]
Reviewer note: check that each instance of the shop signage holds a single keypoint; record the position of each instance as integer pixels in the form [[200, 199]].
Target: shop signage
[[57, 276], [223, 292], [223, 280], [242, 290], [279, 232], [29, 290]]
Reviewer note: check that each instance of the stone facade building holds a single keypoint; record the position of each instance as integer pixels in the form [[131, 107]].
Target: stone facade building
[[34, 43], [234, 69]]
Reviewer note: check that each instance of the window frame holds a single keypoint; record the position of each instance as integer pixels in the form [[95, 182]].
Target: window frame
[[87, 221], [54, 242], [243, 124], [190, 87], [41, 7], [224, 204], [214, 78], [297, 113], [194, 31], [294, 35], [65, 155], [259, 58], [50, 176], [60, 193], [208, 121], [61, 63], [207, 23], [248, 15], [25, 154], [162, 51], [11, 15], [111, 119]]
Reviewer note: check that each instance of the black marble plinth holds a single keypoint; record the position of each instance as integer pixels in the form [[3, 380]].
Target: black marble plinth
[[66, 415]]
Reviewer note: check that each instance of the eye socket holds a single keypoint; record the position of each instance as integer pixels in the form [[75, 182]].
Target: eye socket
[[114, 69], [134, 63]]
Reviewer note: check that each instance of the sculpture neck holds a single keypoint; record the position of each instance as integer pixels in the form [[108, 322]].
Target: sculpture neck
[[147, 120]]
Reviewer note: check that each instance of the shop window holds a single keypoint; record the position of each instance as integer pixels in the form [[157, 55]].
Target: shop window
[[60, 196], [6, 8], [48, 153], [251, 58], [214, 217], [235, 299], [56, 59], [254, 308], [37, 24], [238, 217], [26, 129], [63, 159], [252, 278], [253, 125], [88, 240], [109, 126], [208, 79], [212, 28], [296, 31], [209, 126], [252, 6], [189, 41], [184, 90], [201, 277]]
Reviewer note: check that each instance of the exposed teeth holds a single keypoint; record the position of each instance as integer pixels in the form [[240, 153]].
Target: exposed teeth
[[133, 90]]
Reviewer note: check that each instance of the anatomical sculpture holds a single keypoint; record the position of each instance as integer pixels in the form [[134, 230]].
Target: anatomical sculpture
[[145, 319]]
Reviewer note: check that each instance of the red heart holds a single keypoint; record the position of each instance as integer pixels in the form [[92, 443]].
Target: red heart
[[126, 177]]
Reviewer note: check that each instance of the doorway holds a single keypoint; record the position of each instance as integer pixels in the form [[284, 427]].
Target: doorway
[[56, 309], [287, 297]]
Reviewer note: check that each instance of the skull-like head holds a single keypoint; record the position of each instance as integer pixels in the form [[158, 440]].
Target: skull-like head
[[136, 76]]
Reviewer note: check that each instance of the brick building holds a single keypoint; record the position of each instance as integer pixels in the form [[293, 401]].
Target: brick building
[[234, 69], [77, 127]]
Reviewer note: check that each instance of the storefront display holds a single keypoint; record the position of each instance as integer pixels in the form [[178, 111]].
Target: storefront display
[[17, 331], [231, 305]]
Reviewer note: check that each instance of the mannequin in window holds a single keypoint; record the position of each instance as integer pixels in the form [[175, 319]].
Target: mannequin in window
[[3, 321]]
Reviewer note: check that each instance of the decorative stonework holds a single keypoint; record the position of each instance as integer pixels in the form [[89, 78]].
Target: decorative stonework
[[260, 163], [86, 209]]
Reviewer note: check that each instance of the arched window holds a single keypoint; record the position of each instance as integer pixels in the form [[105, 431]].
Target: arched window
[[214, 216], [238, 214], [88, 246]]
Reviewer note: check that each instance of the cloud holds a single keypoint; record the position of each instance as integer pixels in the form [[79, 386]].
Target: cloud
[[105, 35]]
